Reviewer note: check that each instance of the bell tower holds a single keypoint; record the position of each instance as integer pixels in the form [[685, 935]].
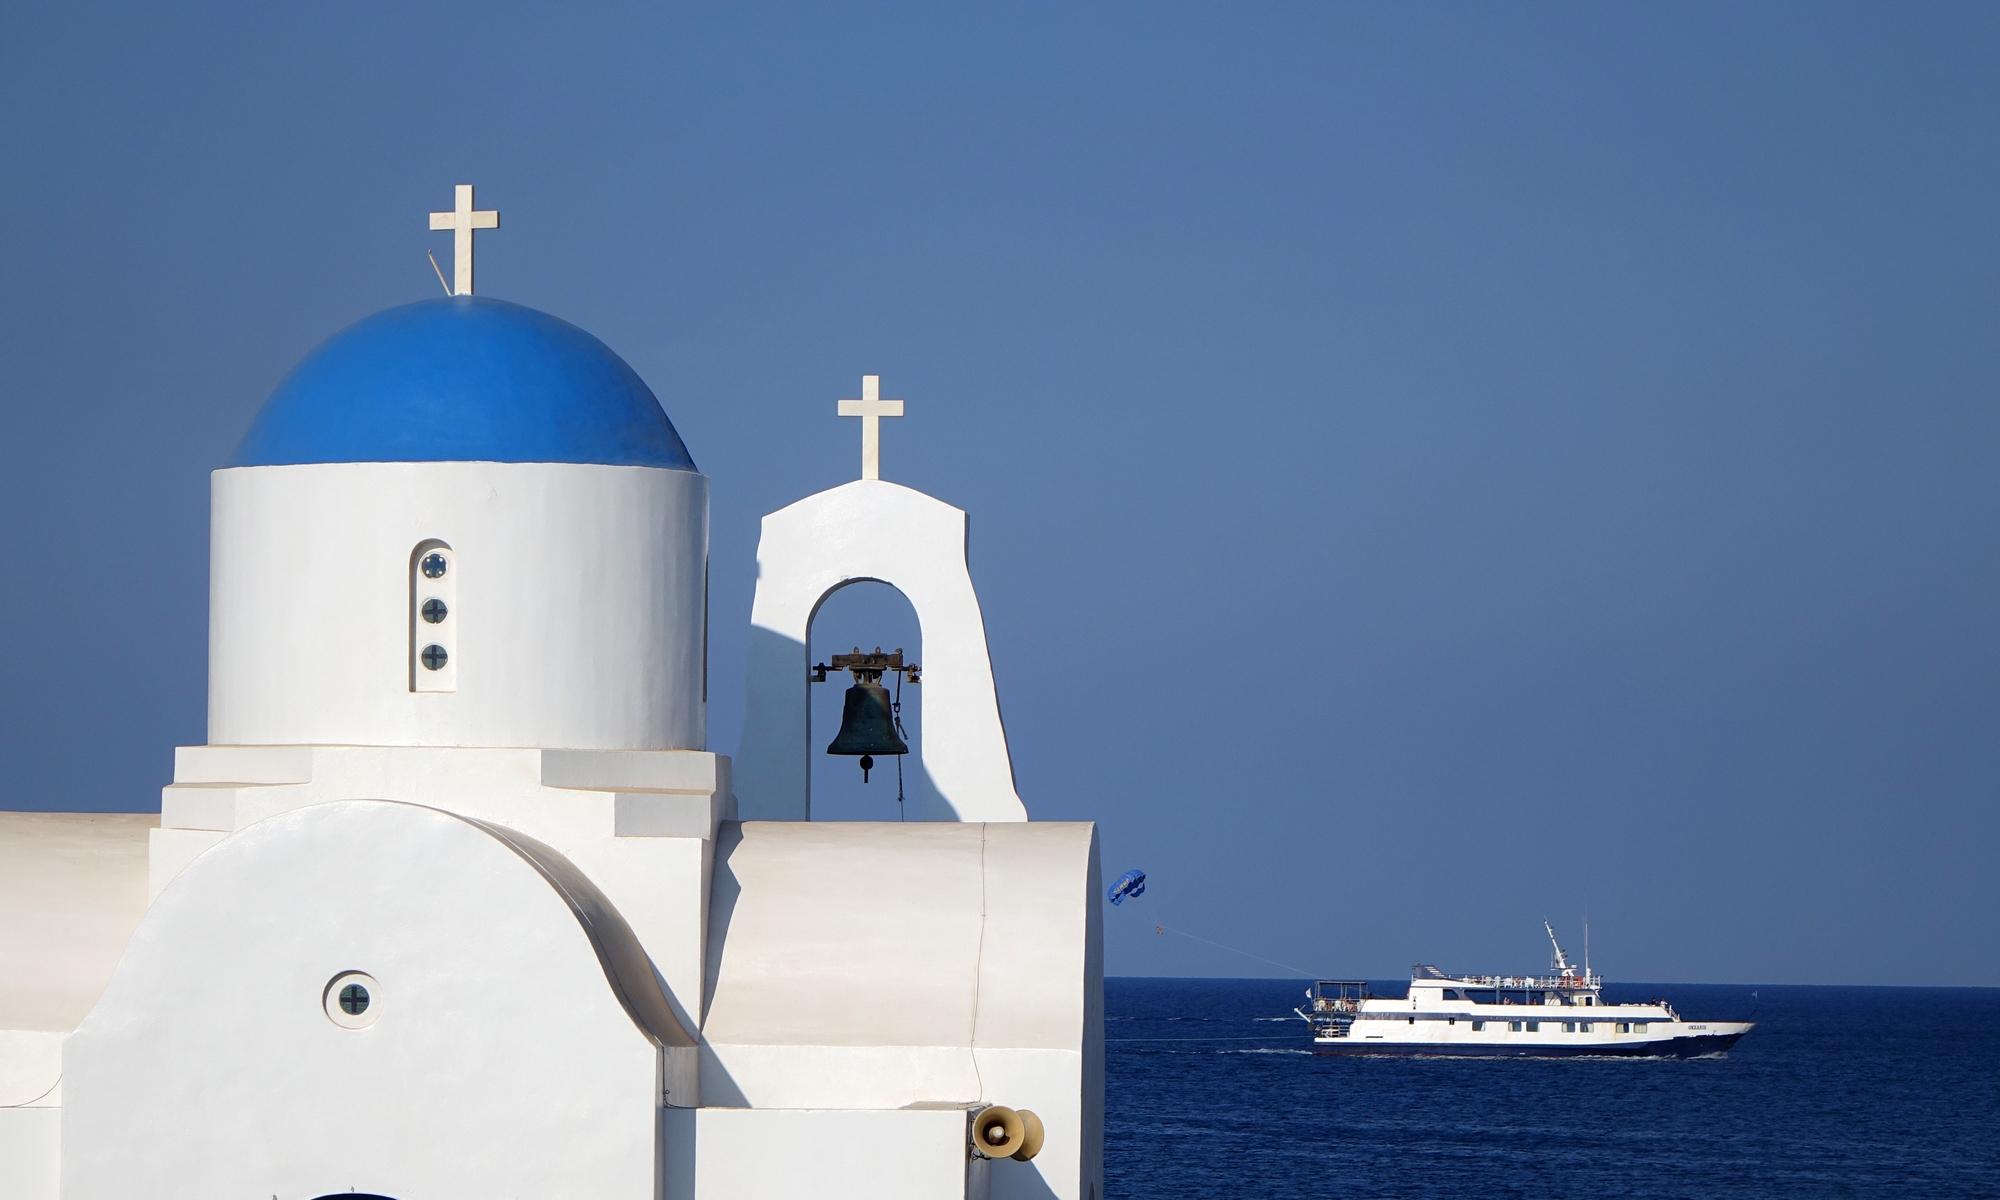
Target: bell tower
[[872, 531]]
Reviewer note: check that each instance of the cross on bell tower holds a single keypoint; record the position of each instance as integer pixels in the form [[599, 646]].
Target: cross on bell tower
[[462, 220], [871, 408]]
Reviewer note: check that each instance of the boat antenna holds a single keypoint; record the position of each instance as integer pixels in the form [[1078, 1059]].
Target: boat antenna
[[1586, 943]]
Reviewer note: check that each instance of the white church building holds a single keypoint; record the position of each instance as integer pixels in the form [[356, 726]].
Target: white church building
[[456, 902]]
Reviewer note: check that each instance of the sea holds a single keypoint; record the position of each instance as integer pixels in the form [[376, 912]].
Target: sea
[[1212, 1090]]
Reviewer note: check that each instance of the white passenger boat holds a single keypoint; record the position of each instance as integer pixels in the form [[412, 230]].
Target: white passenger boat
[[1527, 1016]]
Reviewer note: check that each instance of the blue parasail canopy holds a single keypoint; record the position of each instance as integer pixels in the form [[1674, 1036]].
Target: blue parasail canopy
[[1131, 883]]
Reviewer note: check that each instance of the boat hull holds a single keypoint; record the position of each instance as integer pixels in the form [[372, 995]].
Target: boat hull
[[1691, 1046]]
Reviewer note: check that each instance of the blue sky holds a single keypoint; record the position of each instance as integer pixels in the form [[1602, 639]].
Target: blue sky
[[1431, 467]]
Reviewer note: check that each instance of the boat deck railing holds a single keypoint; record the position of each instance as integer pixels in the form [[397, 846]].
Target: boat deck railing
[[1527, 983], [1338, 995]]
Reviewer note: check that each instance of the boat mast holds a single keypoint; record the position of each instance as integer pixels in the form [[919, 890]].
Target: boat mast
[[1562, 960]]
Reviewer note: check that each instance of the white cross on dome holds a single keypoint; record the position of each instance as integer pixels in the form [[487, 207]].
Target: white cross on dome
[[462, 220]]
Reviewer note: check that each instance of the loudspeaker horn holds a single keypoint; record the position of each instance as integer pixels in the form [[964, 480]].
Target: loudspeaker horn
[[1031, 1138], [998, 1131]]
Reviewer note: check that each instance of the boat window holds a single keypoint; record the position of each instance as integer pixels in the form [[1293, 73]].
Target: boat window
[[1589, 1000], [1451, 993], [1569, 1026], [1478, 1025], [1413, 1020], [1584, 1027], [1534, 1027], [1624, 1026], [1482, 997], [1513, 1027], [1638, 1027]]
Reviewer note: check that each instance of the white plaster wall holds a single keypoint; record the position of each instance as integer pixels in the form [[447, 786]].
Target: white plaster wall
[[579, 617], [862, 965], [30, 1153], [506, 1059], [641, 824], [30, 1068], [72, 890], [872, 531], [836, 1154]]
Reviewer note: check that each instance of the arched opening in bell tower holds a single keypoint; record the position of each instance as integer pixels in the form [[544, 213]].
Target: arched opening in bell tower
[[863, 615]]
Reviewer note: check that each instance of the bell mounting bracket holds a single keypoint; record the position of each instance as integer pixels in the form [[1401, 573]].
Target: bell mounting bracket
[[867, 668]]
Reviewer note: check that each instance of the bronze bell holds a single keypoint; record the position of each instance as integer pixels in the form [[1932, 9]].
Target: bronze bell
[[867, 726]]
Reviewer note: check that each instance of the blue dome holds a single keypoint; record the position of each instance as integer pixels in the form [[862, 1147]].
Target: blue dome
[[462, 379]]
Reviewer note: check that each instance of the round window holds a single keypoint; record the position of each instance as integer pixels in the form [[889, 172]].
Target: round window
[[434, 657], [434, 565], [434, 610], [352, 1000]]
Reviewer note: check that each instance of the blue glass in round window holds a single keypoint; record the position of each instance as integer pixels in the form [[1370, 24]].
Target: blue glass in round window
[[354, 999], [434, 657], [434, 610], [434, 566]]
